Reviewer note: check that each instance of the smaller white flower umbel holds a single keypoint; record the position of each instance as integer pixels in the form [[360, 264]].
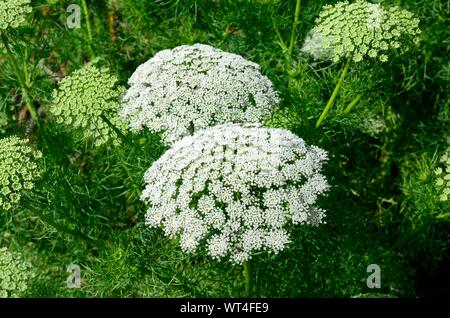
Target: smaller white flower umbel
[[360, 30], [235, 189], [442, 173], [188, 88]]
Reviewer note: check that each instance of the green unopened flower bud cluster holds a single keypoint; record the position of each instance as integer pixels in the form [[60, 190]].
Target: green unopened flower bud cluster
[[15, 274], [13, 13], [83, 101], [443, 177], [360, 30], [18, 170]]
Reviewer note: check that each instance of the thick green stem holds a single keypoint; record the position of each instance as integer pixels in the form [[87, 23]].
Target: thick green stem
[[88, 27], [248, 278], [334, 95], [26, 75], [352, 104], [294, 29], [23, 87], [30, 105], [64, 229]]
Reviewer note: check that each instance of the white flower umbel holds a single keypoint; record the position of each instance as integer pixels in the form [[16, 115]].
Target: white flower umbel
[[188, 88], [442, 173], [235, 189]]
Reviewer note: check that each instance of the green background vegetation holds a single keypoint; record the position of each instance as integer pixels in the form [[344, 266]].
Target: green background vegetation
[[381, 209]]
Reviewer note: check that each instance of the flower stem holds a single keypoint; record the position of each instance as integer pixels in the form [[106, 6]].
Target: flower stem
[[113, 127], [352, 104], [23, 87], [64, 229], [248, 278], [88, 27], [294, 29], [334, 95], [280, 38]]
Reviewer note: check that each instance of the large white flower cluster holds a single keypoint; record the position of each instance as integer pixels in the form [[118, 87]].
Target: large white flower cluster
[[188, 88], [235, 189]]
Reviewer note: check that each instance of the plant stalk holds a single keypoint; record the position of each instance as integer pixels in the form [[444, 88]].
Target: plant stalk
[[113, 127], [65, 229], [352, 104], [334, 95], [280, 38], [248, 278], [23, 87], [294, 29], [88, 27]]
